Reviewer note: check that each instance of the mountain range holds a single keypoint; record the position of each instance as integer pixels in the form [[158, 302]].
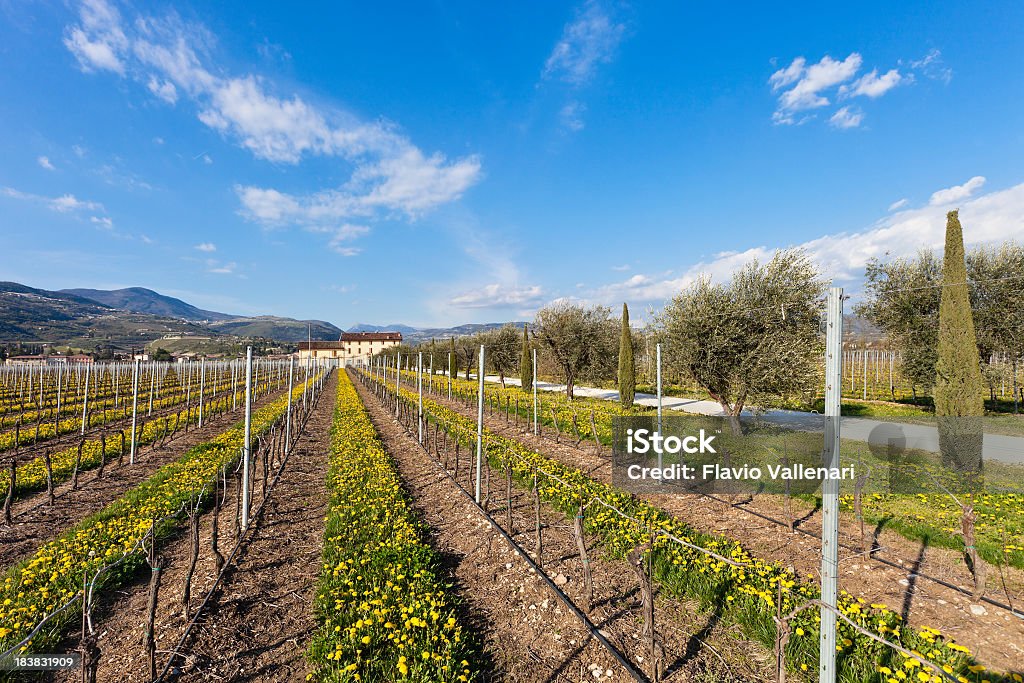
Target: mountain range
[[135, 316]]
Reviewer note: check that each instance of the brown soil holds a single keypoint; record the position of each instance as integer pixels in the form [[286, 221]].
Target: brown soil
[[995, 637], [257, 625], [36, 521], [527, 633]]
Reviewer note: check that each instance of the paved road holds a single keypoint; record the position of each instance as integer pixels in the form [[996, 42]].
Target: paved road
[[1008, 449]]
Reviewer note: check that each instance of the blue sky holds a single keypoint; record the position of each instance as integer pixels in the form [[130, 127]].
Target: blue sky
[[462, 162]]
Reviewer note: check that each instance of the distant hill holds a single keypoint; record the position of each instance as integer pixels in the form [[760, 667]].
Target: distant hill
[[37, 315], [142, 300], [363, 327], [415, 335], [280, 329]]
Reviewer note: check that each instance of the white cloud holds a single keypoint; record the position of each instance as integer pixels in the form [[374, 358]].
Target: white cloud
[[789, 75], [845, 117], [808, 83], [898, 204], [623, 267], [268, 205], [79, 151], [498, 295], [45, 163], [802, 88], [590, 39], [993, 217], [165, 90], [389, 173], [957, 192], [872, 85], [98, 40], [207, 247], [102, 222]]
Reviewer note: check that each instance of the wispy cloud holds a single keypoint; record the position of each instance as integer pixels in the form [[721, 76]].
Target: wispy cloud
[[65, 203], [207, 247], [221, 268], [957, 192], [591, 39], [340, 236], [102, 222], [898, 204], [846, 117], [932, 66], [171, 58], [44, 162], [587, 41], [497, 295], [995, 216], [572, 115]]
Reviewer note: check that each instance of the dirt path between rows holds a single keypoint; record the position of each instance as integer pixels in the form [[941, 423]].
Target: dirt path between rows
[[527, 633], [258, 624], [994, 636], [36, 521]]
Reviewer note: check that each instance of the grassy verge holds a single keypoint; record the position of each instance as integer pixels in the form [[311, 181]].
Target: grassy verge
[[384, 609]]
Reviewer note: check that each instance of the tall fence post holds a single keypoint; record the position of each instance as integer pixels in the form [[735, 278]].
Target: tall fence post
[[135, 406], [288, 415], [657, 350], [85, 399], [152, 382], [246, 449], [202, 388], [536, 429], [419, 386], [480, 424], [398, 380], [830, 486]]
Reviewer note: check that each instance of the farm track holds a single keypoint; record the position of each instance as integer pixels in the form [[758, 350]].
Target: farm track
[[996, 638], [36, 521], [257, 626], [528, 634]]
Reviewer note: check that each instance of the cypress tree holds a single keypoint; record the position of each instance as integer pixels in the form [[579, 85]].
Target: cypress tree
[[627, 367], [958, 388], [526, 363], [453, 369]]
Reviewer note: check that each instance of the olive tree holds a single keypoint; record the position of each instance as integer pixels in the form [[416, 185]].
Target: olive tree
[[902, 299], [581, 340], [503, 347], [753, 340]]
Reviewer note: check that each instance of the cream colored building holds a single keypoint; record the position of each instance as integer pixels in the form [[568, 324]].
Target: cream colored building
[[353, 347]]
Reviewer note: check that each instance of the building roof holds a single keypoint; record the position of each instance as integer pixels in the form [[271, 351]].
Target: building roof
[[371, 336], [347, 337]]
